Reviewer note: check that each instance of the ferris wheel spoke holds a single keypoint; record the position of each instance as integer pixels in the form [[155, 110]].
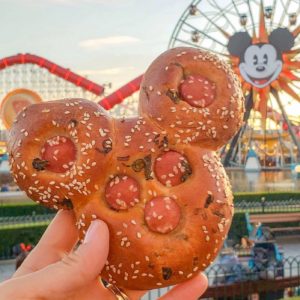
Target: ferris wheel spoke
[[235, 8], [214, 4], [284, 12], [205, 34], [286, 118], [272, 16], [296, 31], [202, 47], [252, 19], [226, 34]]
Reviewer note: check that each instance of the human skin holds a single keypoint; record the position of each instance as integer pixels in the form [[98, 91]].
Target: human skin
[[54, 270]]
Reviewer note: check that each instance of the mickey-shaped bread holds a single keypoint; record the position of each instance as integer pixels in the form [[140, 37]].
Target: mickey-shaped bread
[[156, 179]]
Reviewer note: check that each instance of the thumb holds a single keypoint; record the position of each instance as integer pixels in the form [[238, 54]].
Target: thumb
[[75, 270], [90, 258]]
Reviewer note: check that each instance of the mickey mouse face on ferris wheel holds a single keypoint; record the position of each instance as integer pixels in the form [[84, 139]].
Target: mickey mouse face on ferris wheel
[[260, 64]]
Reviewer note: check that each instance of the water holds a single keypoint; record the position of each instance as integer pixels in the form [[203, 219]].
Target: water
[[290, 245], [270, 181], [7, 268]]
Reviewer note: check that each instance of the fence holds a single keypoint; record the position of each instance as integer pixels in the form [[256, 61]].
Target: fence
[[270, 206], [20, 222], [15, 218], [26, 223], [28, 220], [240, 282]]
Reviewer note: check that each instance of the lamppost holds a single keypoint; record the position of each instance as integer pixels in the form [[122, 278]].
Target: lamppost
[[106, 85]]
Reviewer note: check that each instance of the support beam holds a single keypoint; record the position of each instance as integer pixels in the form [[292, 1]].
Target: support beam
[[234, 141], [286, 118]]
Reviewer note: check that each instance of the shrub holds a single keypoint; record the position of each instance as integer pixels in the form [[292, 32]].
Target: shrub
[[238, 228], [22, 209], [12, 236]]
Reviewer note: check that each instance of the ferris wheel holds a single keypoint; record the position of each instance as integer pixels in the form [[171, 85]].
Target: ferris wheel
[[261, 40]]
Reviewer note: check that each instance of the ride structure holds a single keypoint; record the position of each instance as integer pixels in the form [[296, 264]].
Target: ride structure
[[28, 78], [261, 40]]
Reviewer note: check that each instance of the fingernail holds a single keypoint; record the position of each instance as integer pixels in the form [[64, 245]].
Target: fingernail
[[91, 231]]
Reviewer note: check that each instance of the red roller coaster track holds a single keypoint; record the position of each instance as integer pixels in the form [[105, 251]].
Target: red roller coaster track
[[119, 95], [52, 68], [108, 102]]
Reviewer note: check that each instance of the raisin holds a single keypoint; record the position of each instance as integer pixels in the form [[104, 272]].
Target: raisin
[[39, 164], [167, 273]]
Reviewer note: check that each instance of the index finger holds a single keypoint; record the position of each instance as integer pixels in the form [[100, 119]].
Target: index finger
[[59, 239]]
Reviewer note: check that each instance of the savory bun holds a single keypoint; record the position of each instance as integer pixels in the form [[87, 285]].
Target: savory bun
[[153, 179], [193, 95]]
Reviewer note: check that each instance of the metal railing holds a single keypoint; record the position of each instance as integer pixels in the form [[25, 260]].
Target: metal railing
[[263, 206], [28, 220]]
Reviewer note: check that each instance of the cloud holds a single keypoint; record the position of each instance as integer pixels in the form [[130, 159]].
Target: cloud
[[110, 40], [111, 71]]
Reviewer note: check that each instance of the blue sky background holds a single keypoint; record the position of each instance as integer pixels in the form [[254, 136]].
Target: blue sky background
[[106, 40]]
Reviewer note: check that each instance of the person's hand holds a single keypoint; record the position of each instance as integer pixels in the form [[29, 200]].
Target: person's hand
[[53, 270]]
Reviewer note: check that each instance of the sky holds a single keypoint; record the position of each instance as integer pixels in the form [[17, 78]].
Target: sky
[[105, 40], [108, 41]]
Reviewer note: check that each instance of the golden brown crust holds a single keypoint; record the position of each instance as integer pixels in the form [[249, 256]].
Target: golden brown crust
[[140, 258], [211, 126], [77, 119]]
